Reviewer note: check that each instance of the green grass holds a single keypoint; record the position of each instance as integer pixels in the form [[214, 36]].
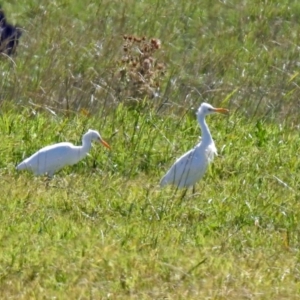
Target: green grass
[[103, 229]]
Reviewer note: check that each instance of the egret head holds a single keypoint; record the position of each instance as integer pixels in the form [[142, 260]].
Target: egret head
[[93, 135], [206, 109]]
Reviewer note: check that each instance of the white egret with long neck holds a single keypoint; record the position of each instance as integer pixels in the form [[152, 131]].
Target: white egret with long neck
[[191, 166], [51, 159]]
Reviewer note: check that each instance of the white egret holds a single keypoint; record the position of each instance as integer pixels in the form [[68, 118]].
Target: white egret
[[191, 166], [52, 158]]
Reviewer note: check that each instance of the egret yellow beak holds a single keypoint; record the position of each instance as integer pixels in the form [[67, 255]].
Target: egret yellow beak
[[221, 110], [104, 144]]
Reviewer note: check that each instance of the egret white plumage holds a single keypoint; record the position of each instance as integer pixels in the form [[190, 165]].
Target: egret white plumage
[[52, 158], [191, 166]]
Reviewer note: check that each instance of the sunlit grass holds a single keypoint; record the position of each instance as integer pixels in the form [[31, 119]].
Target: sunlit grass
[[103, 229], [105, 225]]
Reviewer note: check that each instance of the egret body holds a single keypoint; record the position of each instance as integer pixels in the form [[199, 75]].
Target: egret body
[[51, 159], [191, 166]]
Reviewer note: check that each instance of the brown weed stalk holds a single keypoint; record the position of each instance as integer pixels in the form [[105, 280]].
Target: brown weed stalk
[[139, 74]]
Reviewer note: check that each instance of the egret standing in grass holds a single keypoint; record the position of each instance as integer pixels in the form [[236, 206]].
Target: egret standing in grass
[[191, 166], [52, 158]]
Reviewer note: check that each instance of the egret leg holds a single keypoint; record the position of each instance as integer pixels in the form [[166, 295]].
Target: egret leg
[[94, 164], [183, 194], [48, 178], [47, 181], [194, 189]]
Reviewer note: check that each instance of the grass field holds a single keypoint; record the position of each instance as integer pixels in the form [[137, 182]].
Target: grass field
[[103, 229]]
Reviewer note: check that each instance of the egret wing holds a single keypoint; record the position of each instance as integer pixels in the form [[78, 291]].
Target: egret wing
[[49, 159]]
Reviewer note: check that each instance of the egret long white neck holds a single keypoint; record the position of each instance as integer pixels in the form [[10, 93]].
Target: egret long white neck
[[206, 136], [85, 148]]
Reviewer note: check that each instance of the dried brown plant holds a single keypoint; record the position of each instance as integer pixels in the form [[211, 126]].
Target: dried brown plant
[[139, 72]]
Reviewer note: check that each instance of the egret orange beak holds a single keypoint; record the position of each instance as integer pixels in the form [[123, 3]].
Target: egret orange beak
[[221, 110], [104, 144]]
